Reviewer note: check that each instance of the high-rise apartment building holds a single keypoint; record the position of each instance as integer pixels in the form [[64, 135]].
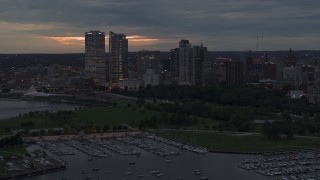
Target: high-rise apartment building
[[148, 60], [174, 61], [234, 72], [185, 62], [190, 63], [95, 61], [199, 56], [118, 57]]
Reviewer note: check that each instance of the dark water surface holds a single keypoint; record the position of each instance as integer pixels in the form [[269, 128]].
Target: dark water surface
[[214, 166], [11, 108]]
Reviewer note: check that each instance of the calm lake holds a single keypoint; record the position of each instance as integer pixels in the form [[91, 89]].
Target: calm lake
[[11, 108]]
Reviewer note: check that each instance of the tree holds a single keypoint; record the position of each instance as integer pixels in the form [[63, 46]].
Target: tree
[[42, 132], [106, 128], [27, 125], [140, 101], [271, 130], [5, 90], [317, 117], [287, 124], [286, 116], [287, 129]]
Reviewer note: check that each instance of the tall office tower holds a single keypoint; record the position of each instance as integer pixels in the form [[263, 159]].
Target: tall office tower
[[174, 61], [95, 62], [118, 60], [234, 72], [199, 56], [148, 60], [185, 62]]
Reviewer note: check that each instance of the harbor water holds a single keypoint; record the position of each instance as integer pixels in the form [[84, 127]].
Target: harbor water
[[11, 107]]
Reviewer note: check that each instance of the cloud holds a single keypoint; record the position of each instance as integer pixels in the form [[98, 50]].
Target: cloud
[[219, 24]]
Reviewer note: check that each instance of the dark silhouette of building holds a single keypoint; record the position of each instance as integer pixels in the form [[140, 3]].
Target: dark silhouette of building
[[199, 56], [174, 63], [95, 61], [118, 57], [308, 74], [209, 73], [234, 72], [270, 70], [290, 58], [185, 64], [148, 60]]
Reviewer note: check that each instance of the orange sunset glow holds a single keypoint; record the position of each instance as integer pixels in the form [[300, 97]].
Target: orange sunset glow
[[135, 40]]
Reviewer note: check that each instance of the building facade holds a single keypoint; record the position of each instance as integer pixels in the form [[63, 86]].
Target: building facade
[[174, 61], [118, 57], [234, 72], [95, 60], [151, 78], [185, 64], [148, 60], [199, 56]]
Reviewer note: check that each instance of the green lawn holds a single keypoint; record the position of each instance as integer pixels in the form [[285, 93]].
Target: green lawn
[[111, 116], [95, 116], [241, 143], [13, 151], [98, 117]]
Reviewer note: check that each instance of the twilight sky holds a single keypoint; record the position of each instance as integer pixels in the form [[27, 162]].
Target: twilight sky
[[58, 26]]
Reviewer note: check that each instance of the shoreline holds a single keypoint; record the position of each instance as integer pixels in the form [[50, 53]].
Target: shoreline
[[143, 133], [20, 109], [35, 173]]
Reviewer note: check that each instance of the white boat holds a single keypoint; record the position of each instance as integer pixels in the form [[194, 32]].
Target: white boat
[[197, 171], [159, 175], [154, 172]]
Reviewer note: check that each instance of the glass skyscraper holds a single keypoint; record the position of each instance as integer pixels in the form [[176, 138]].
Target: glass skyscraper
[[118, 60], [95, 61]]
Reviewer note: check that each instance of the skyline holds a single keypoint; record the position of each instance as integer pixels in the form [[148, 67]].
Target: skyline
[[54, 27]]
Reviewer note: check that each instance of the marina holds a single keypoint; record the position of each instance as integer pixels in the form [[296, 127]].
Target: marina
[[117, 146], [87, 162], [152, 146], [86, 148], [286, 165], [57, 148], [178, 144]]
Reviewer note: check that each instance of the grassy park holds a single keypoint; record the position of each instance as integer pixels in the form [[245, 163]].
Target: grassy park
[[99, 117], [13, 151], [93, 116]]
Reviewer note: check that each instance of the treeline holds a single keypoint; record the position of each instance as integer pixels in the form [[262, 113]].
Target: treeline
[[10, 141], [246, 95], [174, 119]]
